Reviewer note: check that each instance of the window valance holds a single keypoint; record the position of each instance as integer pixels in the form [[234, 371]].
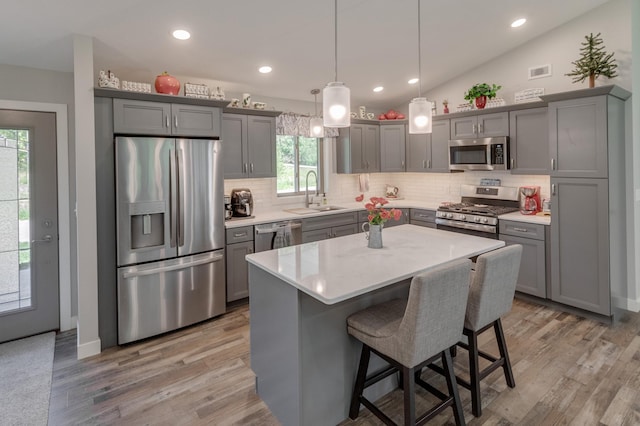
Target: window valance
[[298, 125]]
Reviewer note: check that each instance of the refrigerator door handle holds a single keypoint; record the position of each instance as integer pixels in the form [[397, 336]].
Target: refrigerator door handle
[[215, 258], [180, 200], [172, 197]]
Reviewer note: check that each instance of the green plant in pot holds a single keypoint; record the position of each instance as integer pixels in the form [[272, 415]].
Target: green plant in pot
[[480, 92]]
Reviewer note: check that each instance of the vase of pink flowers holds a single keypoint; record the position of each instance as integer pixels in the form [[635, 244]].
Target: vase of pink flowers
[[377, 216]]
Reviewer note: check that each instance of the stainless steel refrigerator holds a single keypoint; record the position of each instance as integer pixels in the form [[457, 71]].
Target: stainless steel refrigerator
[[170, 220]]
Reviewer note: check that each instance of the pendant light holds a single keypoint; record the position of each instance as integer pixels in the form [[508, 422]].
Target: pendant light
[[336, 104], [316, 126], [420, 113]]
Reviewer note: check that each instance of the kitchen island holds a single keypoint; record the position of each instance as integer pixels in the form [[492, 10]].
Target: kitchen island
[[300, 297]]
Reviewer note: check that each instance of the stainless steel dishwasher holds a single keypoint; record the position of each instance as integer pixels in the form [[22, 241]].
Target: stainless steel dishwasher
[[275, 235]]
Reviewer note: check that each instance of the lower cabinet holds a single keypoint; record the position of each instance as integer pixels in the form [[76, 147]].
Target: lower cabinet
[[330, 226], [423, 217], [533, 266], [239, 244]]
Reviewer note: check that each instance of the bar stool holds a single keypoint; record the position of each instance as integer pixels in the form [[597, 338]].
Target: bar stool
[[493, 284], [409, 335]]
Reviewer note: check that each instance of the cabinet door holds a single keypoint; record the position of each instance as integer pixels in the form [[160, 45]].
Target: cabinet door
[[141, 117], [403, 219], [439, 161], [578, 137], [490, 125], [529, 141], [316, 235], [416, 152], [532, 276], [357, 141], [238, 270], [580, 244], [392, 148], [194, 120], [261, 143], [464, 127], [372, 148], [341, 231], [234, 145]]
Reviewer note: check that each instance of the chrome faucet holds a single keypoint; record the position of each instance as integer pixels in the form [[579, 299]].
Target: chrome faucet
[[306, 190]]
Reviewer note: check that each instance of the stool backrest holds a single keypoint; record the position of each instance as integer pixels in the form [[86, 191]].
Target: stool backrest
[[493, 285], [434, 316]]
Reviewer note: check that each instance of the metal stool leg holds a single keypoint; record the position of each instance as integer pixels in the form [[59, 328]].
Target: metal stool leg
[[502, 346], [474, 374], [447, 363], [358, 388]]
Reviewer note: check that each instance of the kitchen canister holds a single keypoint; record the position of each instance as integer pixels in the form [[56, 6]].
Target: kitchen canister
[[246, 100]]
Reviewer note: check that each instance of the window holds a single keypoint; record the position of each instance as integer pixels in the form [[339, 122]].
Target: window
[[296, 156]]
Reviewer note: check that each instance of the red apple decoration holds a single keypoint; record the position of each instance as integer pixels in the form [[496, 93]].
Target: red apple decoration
[[167, 84], [382, 117], [391, 114], [400, 116]]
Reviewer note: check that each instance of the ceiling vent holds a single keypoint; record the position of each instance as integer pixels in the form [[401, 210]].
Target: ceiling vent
[[540, 71]]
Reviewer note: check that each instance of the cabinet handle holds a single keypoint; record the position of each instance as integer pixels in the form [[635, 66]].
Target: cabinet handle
[[553, 164], [553, 189], [250, 250], [423, 215], [424, 164], [240, 234], [402, 163], [520, 229], [428, 164], [480, 128], [328, 234], [175, 120], [166, 120], [244, 168], [475, 128], [251, 167], [511, 163]]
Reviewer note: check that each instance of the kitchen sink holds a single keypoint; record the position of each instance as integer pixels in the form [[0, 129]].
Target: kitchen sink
[[315, 209]]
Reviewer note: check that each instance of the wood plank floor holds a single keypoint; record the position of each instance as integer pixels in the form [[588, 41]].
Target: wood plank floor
[[568, 371]]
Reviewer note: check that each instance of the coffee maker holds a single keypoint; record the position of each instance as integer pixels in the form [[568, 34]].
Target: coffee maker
[[228, 211], [241, 202], [530, 200]]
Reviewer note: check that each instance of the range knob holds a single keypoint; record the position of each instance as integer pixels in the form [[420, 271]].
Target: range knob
[[463, 217], [476, 219], [449, 215], [485, 220]]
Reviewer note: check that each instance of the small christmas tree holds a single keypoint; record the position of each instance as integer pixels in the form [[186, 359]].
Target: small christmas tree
[[594, 61]]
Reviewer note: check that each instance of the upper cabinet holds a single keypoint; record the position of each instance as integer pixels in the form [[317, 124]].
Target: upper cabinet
[[480, 126], [165, 119], [578, 137], [529, 141], [392, 147], [249, 146], [358, 149], [429, 152]]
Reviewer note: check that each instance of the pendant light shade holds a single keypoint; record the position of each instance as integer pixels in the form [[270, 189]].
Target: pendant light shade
[[316, 125], [420, 116], [336, 103], [420, 113]]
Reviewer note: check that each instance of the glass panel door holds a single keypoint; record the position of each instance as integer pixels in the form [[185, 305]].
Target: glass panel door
[[15, 251]]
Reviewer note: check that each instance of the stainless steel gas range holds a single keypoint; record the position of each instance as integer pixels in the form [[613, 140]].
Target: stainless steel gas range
[[477, 213]]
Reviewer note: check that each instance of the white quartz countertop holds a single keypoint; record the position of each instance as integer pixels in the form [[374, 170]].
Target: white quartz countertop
[[528, 218], [337, 269], [274, 215]]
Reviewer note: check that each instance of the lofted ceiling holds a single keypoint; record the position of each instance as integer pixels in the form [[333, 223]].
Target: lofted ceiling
[[377, 40]]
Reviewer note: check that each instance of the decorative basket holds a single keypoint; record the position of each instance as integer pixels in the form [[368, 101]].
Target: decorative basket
[[529, 95]]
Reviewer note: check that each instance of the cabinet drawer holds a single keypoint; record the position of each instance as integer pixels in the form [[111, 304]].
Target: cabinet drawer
[[423, 215], [423, 223], [522, 229], [320, 222], [240, 234]]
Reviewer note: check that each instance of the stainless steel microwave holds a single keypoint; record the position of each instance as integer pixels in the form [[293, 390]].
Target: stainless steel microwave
[[479, 154]]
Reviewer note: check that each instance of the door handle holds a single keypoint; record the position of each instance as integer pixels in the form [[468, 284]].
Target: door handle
[[45, 239], [553, 164], [402, 163], [179, 198], [175, 120], [251, 167], [173, 197], [424, 164], [475, 129], [428, 164], [512, 163], [480, 128], [166, 120], [553, 189]]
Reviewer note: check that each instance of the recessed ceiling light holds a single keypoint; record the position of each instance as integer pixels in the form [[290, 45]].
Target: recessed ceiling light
[[518, 22], [265, 69], [413, 81], [181, 34], [378, 89]]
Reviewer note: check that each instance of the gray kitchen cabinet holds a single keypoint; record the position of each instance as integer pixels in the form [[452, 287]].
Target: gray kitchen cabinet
[[363, 218], [532, 278], [358, 149], [329, 226], [480, 126], [578, 137], [165, 119], [423, 217], [580, 244], [239, 244], [529, 141], [429, 152], [392, 147], [249, 146]]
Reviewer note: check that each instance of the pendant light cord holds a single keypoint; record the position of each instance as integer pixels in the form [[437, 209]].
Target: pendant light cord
[[315, 103], [419, 56], [336, 37]]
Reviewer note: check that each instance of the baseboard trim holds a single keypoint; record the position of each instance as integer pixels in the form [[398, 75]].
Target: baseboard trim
[[626, 304], [88, 349]]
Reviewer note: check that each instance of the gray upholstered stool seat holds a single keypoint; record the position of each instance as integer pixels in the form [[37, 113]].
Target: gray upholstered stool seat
[[409, 335], [493, 285]]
